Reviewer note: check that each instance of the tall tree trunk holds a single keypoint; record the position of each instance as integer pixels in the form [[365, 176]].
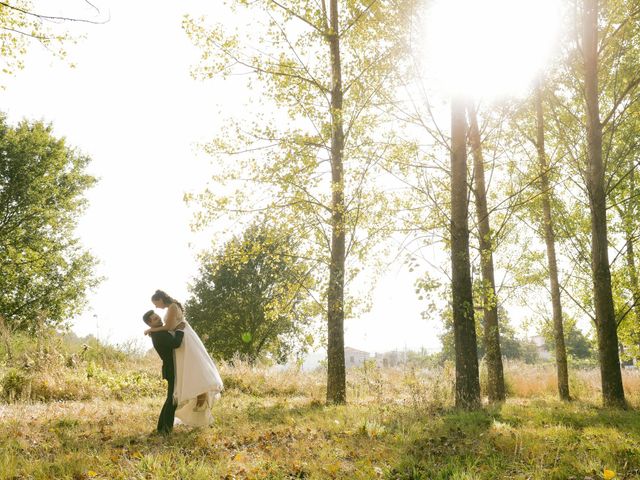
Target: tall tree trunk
[[633, 274], [495, 383], [612, 390], [336, 382], [550, 240], [467, 379], [629, 217]]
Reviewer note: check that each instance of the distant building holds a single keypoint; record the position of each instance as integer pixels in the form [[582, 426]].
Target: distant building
[[354, 357], [391, 359], [541, 347]]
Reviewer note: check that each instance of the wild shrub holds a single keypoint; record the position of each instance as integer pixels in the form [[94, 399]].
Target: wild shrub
[[15, 385]]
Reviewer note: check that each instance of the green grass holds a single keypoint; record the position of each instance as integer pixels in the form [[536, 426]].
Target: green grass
[[81, 413], [297, 437]]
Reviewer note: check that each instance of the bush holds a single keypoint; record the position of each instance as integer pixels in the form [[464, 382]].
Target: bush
[[61, 385], [51, 367], [125, 385], [15, 385]]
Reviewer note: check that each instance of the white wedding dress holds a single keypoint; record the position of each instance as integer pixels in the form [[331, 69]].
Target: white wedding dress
[[196, 373]]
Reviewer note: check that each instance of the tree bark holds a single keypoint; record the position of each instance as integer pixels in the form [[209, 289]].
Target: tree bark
[[495, 383], [611, 377], [467, 379], [336, 377], [550, 240], [629, 217]]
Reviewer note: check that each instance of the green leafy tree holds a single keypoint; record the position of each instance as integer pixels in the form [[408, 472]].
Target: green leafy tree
[[252, 297], [313, 154], [45, 274], [512, 346], [592, 105], [577, 343], [467, 375], [495, 384]]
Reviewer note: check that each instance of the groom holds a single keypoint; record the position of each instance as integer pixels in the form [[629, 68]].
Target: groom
[[165, 343]]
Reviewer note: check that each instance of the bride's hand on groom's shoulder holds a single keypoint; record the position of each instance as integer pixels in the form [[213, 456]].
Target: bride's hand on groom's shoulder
[[147, 331]]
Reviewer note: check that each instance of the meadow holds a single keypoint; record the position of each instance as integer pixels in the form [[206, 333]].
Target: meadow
[[80, 412]]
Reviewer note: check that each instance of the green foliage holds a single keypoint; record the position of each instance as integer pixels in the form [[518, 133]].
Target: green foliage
[[275, 157], [19, 28], [14, 384], [45, 274], [577, 343], [50, 366], [512, 346], [125, 385], [254, 297]]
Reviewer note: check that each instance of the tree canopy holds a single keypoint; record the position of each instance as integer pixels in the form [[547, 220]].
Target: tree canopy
[[251, 297], [45, 273]]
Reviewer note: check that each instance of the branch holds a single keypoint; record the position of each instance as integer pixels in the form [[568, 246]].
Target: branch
[[299, 17], [578, 303], [49, 17], [629, 309], [632, 84], [606, 38], [26, 34], [355, 20]]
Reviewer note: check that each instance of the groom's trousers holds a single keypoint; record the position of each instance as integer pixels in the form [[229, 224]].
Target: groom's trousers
[[165, 343], [167, 414]]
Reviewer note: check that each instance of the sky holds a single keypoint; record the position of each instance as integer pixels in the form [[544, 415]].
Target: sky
[[131, 105]]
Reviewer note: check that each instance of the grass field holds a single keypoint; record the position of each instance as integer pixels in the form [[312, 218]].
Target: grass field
[[399, 424]]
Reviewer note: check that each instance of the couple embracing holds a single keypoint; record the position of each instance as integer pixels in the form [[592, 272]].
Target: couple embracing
[[192, 377]]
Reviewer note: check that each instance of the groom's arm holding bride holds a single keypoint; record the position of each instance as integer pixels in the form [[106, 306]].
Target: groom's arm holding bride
[[169, 341], [170, 323]]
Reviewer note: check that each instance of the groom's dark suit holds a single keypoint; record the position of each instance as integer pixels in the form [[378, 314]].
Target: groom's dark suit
[[165, 343]]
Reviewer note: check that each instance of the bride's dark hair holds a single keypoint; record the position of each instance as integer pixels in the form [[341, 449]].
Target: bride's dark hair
[[167, 300]]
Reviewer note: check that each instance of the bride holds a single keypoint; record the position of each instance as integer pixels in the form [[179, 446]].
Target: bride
[[197, 383]]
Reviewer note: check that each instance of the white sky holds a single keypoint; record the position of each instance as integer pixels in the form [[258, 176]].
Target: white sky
[[132, 106]]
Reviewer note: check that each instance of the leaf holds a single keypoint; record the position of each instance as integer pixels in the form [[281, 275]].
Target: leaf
[[240, 457]]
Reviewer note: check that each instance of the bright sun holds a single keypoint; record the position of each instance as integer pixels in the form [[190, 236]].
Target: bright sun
[[489, 48]]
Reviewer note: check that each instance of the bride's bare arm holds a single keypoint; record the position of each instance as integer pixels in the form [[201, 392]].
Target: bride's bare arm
[[170, 322]]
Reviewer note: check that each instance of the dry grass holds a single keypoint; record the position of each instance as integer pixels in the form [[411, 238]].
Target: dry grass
[[540, 381], [297, 437], [52, 371], [273, 423]]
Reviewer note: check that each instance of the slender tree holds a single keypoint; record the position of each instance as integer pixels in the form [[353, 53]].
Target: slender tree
[[467, 378], [336, 383], [323, 66], [550, 242], [495, 385], [629, 316], [606, 325]]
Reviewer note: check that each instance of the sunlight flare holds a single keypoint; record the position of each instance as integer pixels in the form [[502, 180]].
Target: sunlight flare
[[489, 48]]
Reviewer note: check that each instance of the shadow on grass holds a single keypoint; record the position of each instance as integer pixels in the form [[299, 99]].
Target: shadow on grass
[[542, 440], [445, 444], [576, 415], [279, 412]]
